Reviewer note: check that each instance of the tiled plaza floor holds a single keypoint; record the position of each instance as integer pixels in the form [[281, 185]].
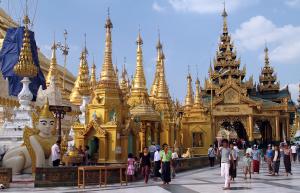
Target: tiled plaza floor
[[203, 180]]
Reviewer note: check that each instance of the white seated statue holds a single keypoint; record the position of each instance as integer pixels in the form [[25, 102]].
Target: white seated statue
[[36, 150]]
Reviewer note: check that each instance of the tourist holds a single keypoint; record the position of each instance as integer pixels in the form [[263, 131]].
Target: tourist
[[55, 153], [130, 167], [276, 160], [294, 152], [233, 162], [249, 150], [211, 156], [157, 163], [269, 158], [166, 159], [225, 164], [145, 164], [174, 162], [287, 159], [152, 150], [255, 159], [247, 165]]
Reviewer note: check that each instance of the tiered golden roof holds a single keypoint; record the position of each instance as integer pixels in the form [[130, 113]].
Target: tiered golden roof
[[26, 67], [189, 100], [268, 79], [226, 64], [84, 79], [82, 83], [108, 77]]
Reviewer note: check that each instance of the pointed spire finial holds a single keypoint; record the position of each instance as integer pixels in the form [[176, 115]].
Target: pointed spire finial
[[139, 40], [108, 23], [224, 14], [266, 55], [158, 45]]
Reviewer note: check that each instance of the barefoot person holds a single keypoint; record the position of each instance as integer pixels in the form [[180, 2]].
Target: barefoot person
[[145, 164], [225, 163], [276, 160], [287, 159], [166, 159]]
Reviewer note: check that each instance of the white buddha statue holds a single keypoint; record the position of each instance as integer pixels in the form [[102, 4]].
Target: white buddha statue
[[36, 150]]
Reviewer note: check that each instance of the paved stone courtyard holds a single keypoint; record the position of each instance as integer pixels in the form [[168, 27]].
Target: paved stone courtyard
[[202, 180]]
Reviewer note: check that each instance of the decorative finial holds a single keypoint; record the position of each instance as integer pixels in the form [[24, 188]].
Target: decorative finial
[[266, 55], [25, 66], [85, 48], [139, 40], [158, 45], [224, 14], [108, 23]]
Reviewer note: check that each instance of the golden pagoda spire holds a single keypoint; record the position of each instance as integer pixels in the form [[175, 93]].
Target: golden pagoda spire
[[139, 81], [84, 79], [53, 71], [108, 76], [93, 75], [124, 81], [198, 99], [162, 90], [189, 95], [25, 66], [82, 83], [154, 87]]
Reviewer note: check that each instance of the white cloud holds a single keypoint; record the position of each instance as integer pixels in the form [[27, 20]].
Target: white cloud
[[208, 6], [157, 7], [284, 40], [292, 3]]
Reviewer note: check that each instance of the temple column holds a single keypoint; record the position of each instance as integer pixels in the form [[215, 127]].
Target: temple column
[[250, 126], [102, 149], [287, 129], [277, 129], [142, 137], [156, 134]]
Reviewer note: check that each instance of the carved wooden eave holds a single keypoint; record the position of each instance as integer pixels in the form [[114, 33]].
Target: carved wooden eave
[[82, 129], [240, 94]]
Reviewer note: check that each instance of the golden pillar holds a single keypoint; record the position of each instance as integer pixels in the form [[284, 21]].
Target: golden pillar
[[142, 134], [250, 125], [277, 130], [287, 129], [102, 149]]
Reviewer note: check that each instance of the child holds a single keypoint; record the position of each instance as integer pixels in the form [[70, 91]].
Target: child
[[247, 165], [130, 167]]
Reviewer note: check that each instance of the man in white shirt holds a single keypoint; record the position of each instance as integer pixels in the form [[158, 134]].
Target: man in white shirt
[[55, 153], [157, 163], [294, 152]]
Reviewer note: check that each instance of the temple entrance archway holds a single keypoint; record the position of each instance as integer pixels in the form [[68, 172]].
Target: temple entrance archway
[[265, 129], [236, 130]]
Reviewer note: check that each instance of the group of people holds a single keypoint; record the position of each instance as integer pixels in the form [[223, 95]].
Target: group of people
[[56, 154], [161, 161], [252, 159]]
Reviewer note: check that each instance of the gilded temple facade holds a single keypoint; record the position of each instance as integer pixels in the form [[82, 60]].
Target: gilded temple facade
[[234, 108], [122, 117]]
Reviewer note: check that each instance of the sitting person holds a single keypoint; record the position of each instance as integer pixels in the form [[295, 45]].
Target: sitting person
[[36, 151], [187, 154]]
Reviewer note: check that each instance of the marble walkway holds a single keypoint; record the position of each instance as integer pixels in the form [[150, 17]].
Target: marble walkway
[[202, 180]]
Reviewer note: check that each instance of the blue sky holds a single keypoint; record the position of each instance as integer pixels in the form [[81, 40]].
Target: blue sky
[[189, 31]]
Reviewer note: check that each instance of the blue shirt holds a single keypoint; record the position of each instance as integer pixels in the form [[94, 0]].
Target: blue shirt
[[269, 153]]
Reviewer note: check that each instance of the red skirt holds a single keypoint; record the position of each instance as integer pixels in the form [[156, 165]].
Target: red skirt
[[256, 166]]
